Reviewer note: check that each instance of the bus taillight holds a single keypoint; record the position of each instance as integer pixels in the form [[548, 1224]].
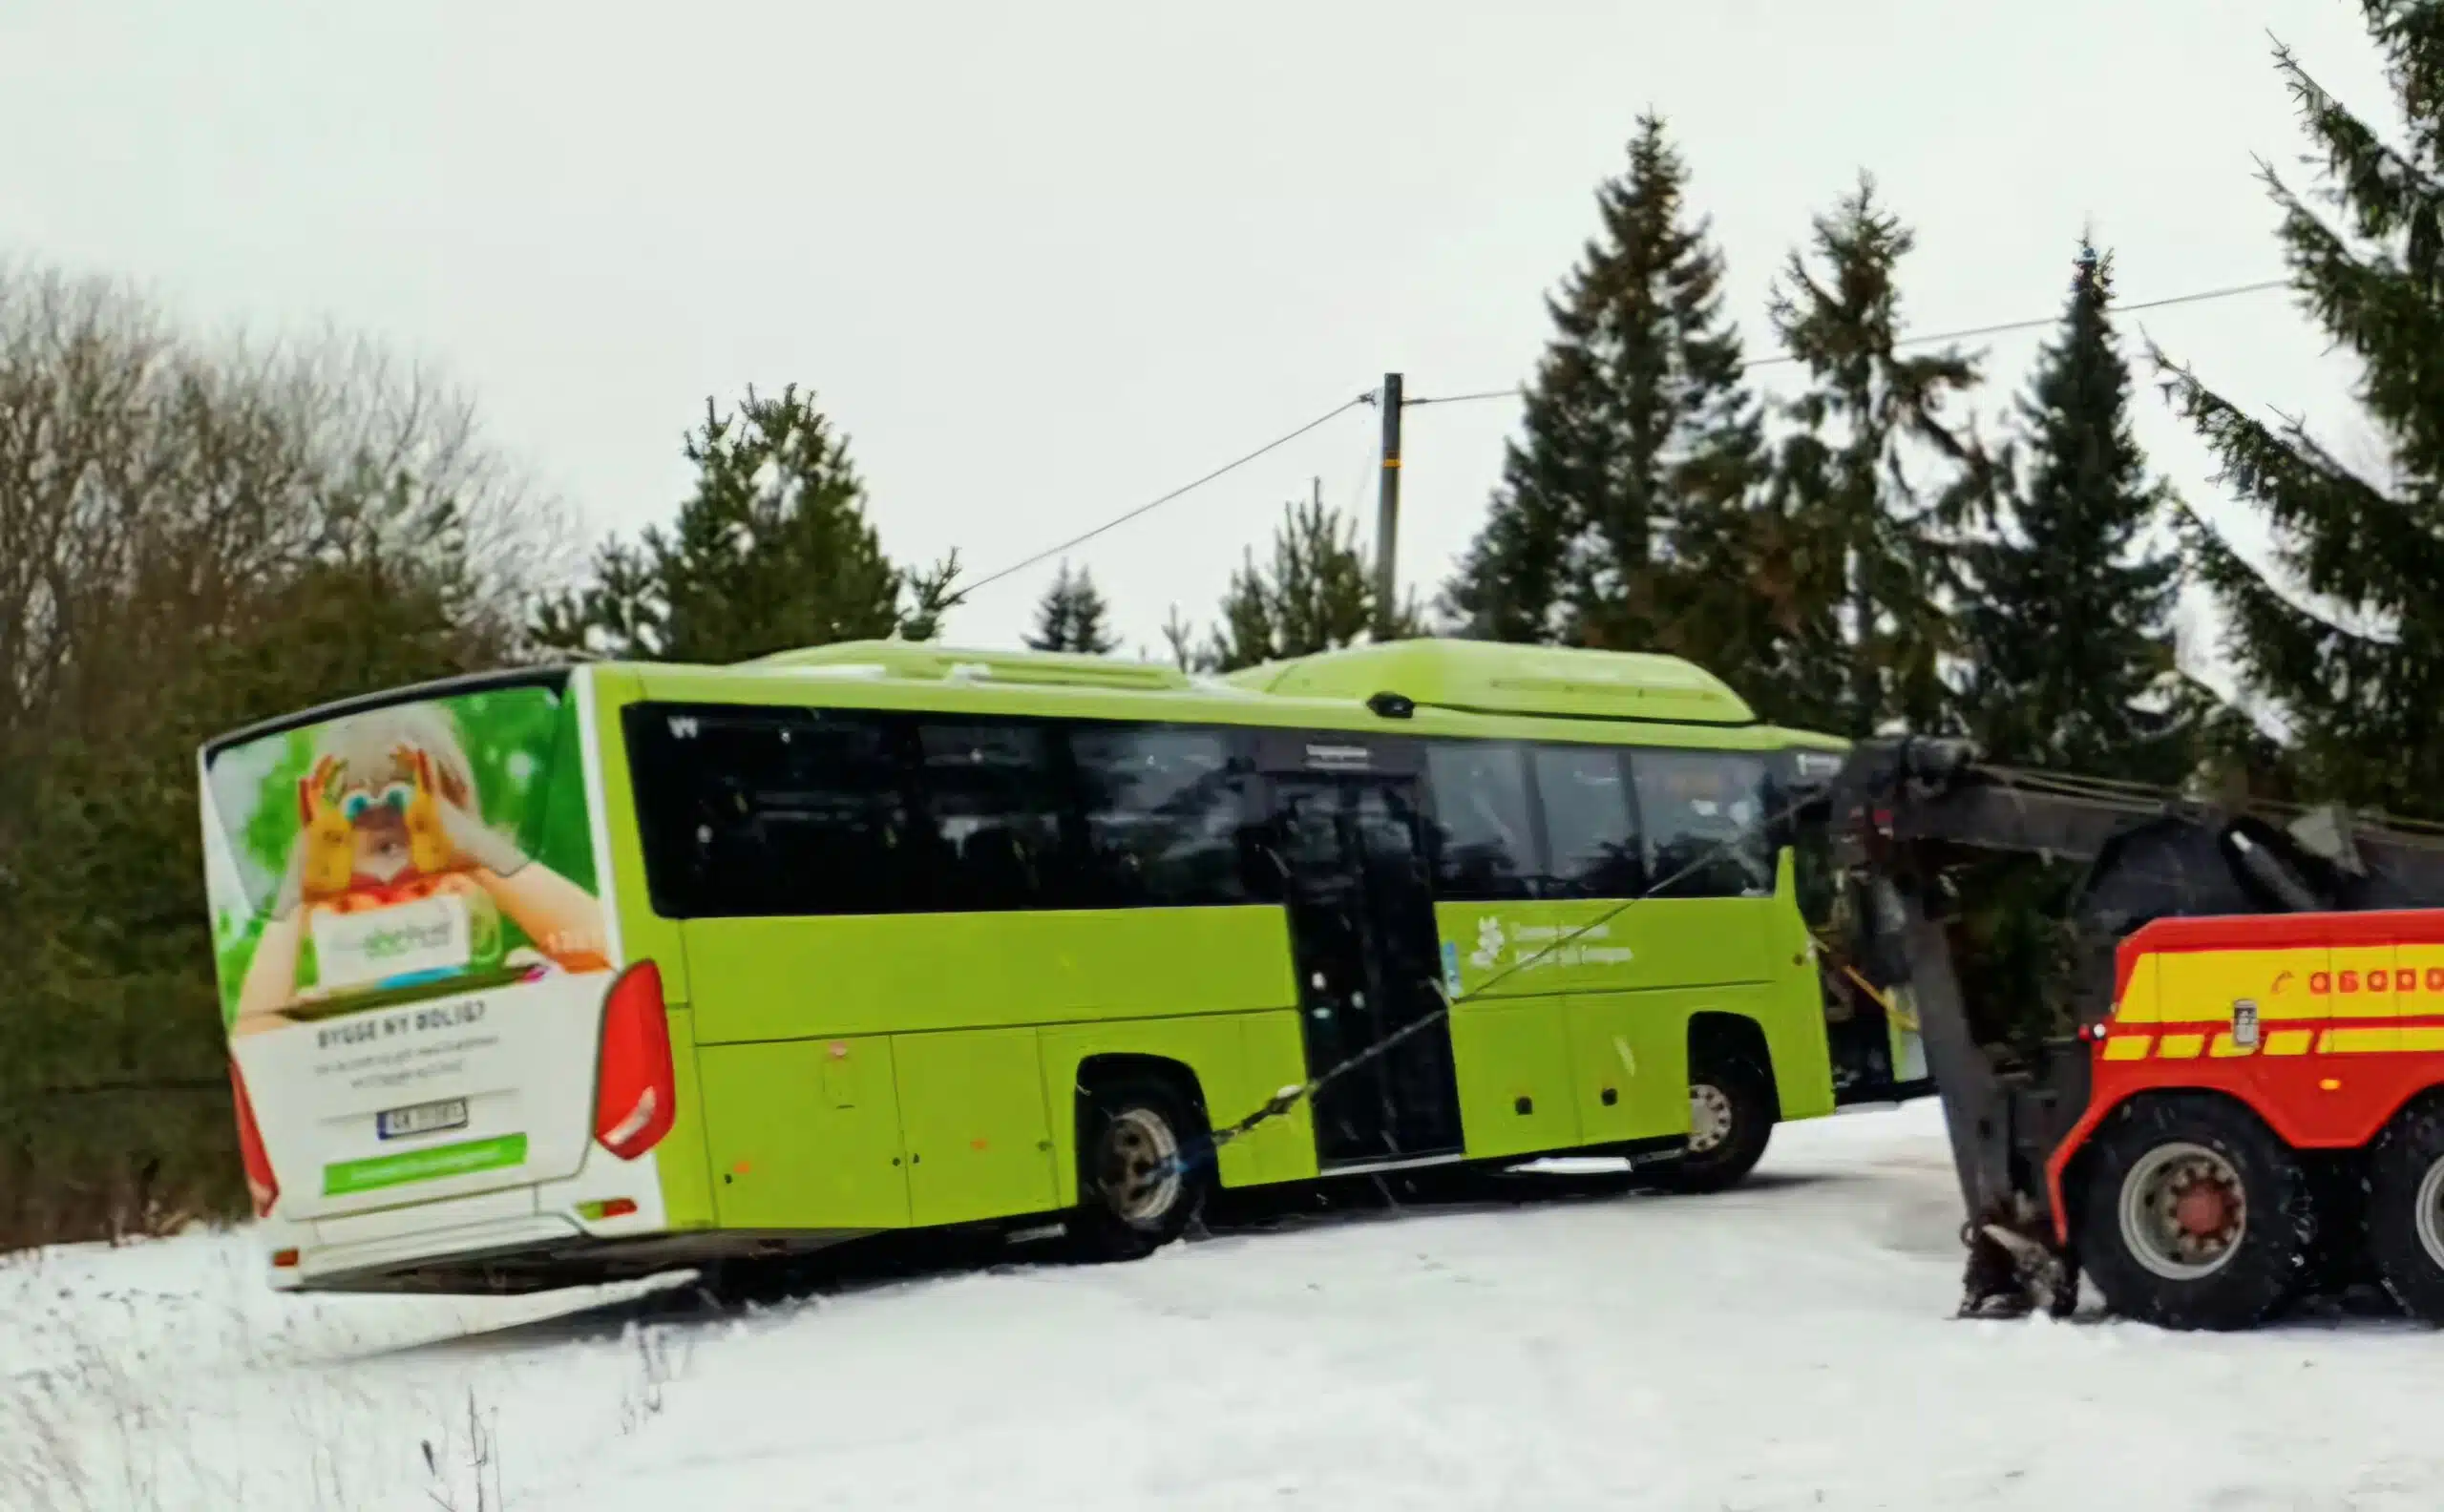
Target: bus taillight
[[260, 1183], [634, 1089]]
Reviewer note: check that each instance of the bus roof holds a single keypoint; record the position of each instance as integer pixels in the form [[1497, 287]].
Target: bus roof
[[1451, 685], [1446, 687], [1468, 677], [551, 675]]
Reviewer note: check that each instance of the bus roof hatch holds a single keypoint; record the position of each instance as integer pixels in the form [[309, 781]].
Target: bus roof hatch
[[1488, 677]]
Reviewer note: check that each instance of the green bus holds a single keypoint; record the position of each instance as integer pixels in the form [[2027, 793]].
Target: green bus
[[563, 976]]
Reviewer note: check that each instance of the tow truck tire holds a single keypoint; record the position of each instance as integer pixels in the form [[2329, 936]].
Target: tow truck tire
[[2406, 1208], [1731, 1115], [1128, 1127], [2196, 1216]]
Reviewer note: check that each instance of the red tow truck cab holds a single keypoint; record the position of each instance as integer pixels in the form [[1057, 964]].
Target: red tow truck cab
[[2323, 1024]]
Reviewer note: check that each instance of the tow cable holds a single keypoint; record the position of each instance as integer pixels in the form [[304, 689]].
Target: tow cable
[[1288, 1098]]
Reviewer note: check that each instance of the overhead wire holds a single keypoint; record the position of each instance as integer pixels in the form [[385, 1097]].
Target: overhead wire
[[1184, 489], [1372, 396], [1936, 338]]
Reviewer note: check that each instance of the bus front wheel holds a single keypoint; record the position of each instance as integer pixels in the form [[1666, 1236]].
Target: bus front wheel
[[1732, 1110], [1142, 1171]]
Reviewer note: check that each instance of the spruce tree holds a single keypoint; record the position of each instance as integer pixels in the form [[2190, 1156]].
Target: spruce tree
[[1179, 639], [771, 550], [1638, 445], [1315, 594], [2066, 617], [1857, 593], [1072, 616], [2340, 635]]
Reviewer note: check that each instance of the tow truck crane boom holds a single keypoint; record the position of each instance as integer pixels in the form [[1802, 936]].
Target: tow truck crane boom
[[2199, 1142]]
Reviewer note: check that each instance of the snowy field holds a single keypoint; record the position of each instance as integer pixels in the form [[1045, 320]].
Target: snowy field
[[1787, 1345]]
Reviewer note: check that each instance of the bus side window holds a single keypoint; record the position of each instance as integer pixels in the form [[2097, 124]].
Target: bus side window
[[1162, 811], [1705, 821], [765, 812], [1485, 846], [1591, 826], [993, 793]]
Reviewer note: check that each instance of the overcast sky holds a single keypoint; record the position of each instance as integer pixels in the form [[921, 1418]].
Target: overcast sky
[[1043, 263]]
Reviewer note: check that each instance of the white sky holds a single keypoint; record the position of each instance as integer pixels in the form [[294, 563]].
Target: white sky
[[1043, 263]]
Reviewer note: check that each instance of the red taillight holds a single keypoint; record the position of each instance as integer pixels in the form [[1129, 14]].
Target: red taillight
[[634, 1088], [260, 1180]]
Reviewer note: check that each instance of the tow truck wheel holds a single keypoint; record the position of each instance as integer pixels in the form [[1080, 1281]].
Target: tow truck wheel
[[2196, 1216], [2406, 1208]]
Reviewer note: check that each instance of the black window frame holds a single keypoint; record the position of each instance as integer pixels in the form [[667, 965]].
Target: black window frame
[[663, 869], [1248, 796], [1662, 887], [1058, 877], [1073, 884], [1531, 876], [1552, 883], [1253, 756]]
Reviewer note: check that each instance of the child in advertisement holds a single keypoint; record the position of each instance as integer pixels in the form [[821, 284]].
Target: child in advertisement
[[395, 878]]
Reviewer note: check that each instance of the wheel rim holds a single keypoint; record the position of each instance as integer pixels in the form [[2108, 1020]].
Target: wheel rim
[[2183, 1211], [2431, 1214], [1140, 1168], [1708, 1116]]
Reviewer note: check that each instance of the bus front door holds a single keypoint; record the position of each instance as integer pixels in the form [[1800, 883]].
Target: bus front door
[[1362, 935]]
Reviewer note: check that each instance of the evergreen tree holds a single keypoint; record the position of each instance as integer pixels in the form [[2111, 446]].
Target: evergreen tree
[[1858, 595], [1072, 616], [1638, 450], [1317, 593], [773, 551], [1179, 638], [2341, 634], [2066, 621]]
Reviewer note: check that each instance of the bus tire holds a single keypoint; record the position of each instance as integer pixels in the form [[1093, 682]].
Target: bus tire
[[1732, 1109], [1142, 1169], [2196, 1216], [2406, 1208]]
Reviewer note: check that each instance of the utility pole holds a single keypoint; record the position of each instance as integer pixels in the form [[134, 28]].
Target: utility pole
[[1387, 508]]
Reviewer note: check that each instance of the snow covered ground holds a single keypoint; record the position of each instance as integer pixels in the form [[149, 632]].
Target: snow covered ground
[[1787, 1345]]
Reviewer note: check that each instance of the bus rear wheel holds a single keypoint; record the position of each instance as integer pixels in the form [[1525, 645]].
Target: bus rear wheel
[[1731, 1115], [1142, 1171], [2406, 1208], [2196, 1216]]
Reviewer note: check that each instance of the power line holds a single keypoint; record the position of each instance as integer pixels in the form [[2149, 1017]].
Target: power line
[[1369, 397], [1967, 333], [1185, 489]]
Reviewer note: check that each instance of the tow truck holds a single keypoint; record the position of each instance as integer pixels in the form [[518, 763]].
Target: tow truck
[[2245, 1102]]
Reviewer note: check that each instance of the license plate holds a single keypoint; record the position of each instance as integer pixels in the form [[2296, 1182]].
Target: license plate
[[425, 1118]]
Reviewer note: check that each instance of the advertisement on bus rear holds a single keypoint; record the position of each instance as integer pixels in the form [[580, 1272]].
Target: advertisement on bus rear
[[400, 854], [412, 950]]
